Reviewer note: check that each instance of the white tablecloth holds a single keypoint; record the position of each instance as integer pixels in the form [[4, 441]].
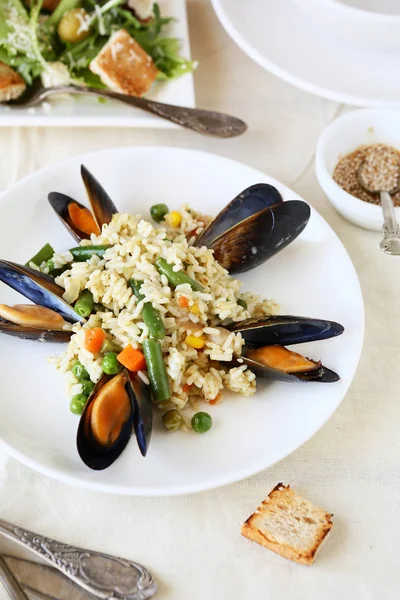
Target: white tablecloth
[[351, 467]]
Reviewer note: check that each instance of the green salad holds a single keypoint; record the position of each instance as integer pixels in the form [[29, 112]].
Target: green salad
[[77, 41]]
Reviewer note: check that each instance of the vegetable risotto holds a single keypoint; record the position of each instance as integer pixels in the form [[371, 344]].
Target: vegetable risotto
[[156, 297]]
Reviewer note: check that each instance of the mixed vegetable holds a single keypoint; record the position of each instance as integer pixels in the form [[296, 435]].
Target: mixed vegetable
[[61, 44]]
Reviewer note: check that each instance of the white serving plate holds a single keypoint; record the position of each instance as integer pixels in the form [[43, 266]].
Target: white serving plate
[[283, 39], [248, 434], [79, 111], [345, 134]]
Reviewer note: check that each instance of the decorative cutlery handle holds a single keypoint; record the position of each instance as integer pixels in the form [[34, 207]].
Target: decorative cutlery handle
[[389, 215], [103, 575]]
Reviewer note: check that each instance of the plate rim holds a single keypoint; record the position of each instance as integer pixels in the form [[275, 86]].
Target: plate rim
[[216, 481], [285, 75]]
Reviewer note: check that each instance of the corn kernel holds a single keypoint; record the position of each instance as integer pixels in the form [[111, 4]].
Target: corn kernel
[[195, 309], [174, 218], [195, 342]]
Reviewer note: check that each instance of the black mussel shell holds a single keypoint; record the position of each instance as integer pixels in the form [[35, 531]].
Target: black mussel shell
[[103, 207], [251, 201], [321, 374], [285, 330], [98, 457], [142, 411], [60, 203], [37, 287], [254, 240], [94, 455], [34, 333]]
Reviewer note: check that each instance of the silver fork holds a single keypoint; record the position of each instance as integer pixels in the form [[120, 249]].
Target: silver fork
[[202, 121]]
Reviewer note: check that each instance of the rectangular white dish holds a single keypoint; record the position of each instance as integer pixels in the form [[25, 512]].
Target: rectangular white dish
[[79, 111]]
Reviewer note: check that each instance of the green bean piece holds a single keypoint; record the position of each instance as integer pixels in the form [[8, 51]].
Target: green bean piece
[[99, 307], [156, 370], [50, 265], [77, 404], [56, 272], [151, 316], [158, 212], [79, 371], [172, 420], [83, 253], [242, 303], [176, 277], [201, 422], [84, 304], [110, 346], [110, 364], [43, 255], [87, 388]]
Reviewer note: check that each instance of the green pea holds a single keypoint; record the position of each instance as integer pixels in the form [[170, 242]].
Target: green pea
[[201, 422], [110, 346], [110, 364], [158, 212], [87, 388], [77, 404], [79, 371], [172, 420], [242, 303]]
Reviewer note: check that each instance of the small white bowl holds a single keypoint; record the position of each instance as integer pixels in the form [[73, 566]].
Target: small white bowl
[[358, 25], [345, 134]]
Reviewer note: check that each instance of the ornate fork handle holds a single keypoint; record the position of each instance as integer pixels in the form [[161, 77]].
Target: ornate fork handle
[[103, 575]]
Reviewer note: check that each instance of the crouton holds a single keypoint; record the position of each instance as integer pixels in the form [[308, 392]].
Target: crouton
[[11, 83], [289, 525], [124, 66]]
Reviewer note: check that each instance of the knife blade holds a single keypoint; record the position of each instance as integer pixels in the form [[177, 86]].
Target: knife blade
[[42, 582]]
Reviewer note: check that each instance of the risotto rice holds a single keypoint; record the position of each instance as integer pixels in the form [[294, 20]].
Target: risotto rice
[[135, 244]]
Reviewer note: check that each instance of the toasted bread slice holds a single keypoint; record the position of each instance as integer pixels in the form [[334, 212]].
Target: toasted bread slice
[[11, 83], [289, 525], [124, 66]]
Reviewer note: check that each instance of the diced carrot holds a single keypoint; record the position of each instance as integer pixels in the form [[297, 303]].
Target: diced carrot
[[186, 388], [94, 339], [132, 359], [216, 400], [83, 219], [183, 302]]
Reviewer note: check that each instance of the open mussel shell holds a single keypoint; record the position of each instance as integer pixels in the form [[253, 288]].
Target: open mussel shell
[[35, 333], [142, 411], [251, 201], [37, 287], [254, 240], [140, 420], [60, 204], [285, 330], [103, 207], [321, 374]]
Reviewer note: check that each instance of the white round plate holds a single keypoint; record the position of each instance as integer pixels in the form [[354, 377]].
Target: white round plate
[[280, 37], [248, 434]]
